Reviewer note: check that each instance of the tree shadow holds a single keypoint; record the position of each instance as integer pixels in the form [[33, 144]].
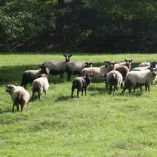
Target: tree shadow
[[13, 74]]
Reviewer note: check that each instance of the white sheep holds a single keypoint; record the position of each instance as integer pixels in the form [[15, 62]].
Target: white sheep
[[113, 78], [40, 85], [19, 96], [139, 78], [97, 72]]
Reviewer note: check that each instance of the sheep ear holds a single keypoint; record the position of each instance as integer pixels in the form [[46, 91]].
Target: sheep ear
[[69, 55], [65, 55]]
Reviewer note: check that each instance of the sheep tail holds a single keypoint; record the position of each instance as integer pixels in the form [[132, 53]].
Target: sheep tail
[[114, 76]]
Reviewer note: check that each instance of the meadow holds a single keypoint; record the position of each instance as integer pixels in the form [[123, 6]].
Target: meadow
[[96, 125]]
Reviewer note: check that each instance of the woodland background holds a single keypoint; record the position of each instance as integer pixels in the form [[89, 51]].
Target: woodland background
[[78, 25]]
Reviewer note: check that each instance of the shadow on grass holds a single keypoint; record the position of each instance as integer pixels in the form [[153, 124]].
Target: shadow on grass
[[13, 74], [63, 98]]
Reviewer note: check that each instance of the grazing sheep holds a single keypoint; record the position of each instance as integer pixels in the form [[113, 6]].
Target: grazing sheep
[[76, 67], [81, 83], [97, 72], [57, 67], [40, 85], [113, 78], [30, 75], [19, 96], [126, 63], [136, 79]]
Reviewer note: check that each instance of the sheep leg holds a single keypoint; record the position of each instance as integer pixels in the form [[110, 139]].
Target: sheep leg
[[39, 96], [61, 77], [13, 107], [69, 77], [110, 89], [72, 91], [129, 90], [82, 91], [115, 89], [85, 91], [17, 107]]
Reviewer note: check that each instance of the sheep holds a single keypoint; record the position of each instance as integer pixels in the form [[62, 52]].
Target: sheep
[[30, 75], [113, 78], [144, 64], [151, 64], [81, 83], [76, 68], [97, 72], [123, 70], [40, 85], [126, 63], [19, 96], [139, 78], [57, 67]]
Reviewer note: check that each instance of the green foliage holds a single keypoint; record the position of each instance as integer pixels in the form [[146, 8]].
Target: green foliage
[[114, 25]]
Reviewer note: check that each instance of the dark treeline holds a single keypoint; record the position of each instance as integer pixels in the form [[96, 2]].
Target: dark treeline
[[78, 25]]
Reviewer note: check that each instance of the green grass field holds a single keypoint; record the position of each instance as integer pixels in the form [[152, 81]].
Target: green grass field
[[96, 125]]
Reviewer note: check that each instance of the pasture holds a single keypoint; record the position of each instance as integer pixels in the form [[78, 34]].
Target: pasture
[[96, 125]]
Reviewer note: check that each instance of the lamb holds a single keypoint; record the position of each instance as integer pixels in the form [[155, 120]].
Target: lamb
[[76, 68], [126, 63], [57, 67], [30, 75], [19, 96], [97, 72], [113, 78], [139, 78], [81, 83], [40, 85]]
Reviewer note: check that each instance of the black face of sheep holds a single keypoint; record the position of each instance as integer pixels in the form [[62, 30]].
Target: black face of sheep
[[44, 69], [9, 88], [67, 58], [153, 64], [81, 84]]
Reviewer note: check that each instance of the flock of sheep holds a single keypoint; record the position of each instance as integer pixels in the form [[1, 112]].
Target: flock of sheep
[[112, 73]]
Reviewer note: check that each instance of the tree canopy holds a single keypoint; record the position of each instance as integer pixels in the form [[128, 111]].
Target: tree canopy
[[86, 25]]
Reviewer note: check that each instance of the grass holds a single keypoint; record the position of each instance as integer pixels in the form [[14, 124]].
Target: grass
[[96, 125]]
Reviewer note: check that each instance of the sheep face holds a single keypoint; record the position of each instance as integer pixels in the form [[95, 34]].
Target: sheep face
[[9, 88], [154, 71], [88, 78], [128, 62], [153, 64], [44, 69], [67, 58]]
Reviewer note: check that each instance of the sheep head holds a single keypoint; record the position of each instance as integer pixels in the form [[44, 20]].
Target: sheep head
[[10, 88], [67, 58]]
